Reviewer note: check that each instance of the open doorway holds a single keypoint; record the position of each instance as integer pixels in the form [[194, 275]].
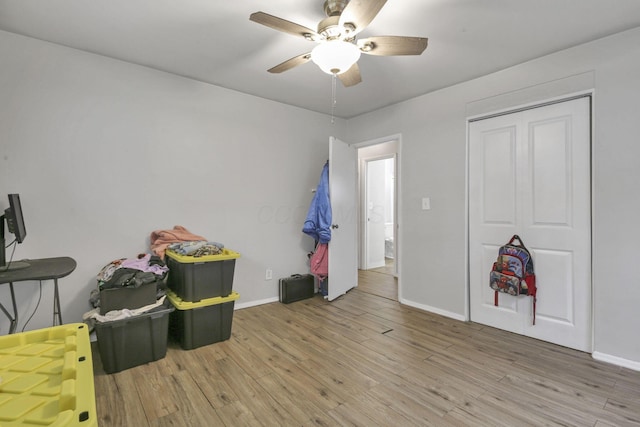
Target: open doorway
[[378, 208], [378, 237]]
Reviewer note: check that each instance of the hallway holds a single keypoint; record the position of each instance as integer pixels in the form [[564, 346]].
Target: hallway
[[379, 281]]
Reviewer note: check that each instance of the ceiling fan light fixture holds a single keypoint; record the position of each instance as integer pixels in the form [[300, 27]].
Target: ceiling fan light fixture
[[335, 56]]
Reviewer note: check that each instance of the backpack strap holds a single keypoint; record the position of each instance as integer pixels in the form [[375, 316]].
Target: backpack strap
[[534, 310], [520, 243], [495, 302]]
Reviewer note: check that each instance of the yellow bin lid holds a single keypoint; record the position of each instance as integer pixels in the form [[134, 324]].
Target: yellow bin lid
[[225, 255], [47, 377], [183, 305]]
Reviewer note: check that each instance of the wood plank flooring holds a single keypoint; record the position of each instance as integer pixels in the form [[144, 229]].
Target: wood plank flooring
[[366, 360], [379, 281]]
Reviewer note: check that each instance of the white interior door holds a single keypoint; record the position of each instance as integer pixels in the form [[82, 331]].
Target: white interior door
[[529, 174], [343, 249], [375, 213]]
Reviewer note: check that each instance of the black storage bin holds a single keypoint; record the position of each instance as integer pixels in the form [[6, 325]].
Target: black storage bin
[[133, 341], [206, 322], [195, 279], [127, 297]]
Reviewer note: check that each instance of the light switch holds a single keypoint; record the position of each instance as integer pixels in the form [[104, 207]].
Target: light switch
[[426, 203]]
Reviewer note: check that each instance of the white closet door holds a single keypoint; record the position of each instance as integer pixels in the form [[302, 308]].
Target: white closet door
[[529, 174]]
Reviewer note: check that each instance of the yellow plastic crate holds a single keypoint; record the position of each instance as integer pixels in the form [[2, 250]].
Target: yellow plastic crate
[[46, 378]]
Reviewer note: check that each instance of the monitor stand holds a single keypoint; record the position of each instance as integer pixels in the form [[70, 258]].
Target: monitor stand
[[14, 265]]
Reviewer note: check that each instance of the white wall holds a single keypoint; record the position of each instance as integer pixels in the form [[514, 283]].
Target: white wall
[[104, 152], [433, 164]]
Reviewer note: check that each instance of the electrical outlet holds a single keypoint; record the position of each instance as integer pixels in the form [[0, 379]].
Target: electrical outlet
[[426, 203], [268, 275]]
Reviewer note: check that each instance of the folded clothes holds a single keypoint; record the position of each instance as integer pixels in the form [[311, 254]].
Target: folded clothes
[[200, 247], [207, 250]]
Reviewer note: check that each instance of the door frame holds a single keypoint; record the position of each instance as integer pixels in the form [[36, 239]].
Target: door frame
[[398, 202], [590, 93], [364, 202]]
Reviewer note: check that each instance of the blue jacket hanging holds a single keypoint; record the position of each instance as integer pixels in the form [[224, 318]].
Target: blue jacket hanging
[[318, 222]]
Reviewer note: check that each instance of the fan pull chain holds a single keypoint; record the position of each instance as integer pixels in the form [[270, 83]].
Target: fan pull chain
[[333, 98]]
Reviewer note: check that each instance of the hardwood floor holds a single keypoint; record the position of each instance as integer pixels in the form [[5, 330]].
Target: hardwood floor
[[388, 268], [379, 281], [366, 360]]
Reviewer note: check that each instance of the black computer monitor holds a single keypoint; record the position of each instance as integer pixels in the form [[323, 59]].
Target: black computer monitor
[[15, 225]]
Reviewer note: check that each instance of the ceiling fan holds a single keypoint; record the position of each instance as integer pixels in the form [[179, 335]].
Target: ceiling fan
[[338, 49]]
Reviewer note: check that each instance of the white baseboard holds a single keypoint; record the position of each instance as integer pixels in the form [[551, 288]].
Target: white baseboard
[[615, 360], [255, 303], [435, 310]]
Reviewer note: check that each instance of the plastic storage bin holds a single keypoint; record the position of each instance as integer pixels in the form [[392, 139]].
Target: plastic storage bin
[[127, 297], [201, 323], [198, 278], [133, 341], [47, 378]]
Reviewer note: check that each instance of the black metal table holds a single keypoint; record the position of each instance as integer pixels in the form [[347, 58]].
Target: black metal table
[[37, 269]]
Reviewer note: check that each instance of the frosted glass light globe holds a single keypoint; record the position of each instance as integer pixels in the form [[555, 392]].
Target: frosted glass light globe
[[335, 56]]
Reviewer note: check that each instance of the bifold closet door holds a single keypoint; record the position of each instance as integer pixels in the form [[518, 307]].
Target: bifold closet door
[[529, 174]]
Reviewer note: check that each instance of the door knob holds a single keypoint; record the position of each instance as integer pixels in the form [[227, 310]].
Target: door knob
[[334, 226]]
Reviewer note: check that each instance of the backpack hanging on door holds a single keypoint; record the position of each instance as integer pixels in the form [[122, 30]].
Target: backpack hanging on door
[[512, 273]]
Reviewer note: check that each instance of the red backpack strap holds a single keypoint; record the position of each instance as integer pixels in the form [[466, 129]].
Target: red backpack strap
[[531, 281], [533, 291]]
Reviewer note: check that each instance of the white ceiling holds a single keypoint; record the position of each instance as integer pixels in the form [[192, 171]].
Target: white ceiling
[[213, 41]]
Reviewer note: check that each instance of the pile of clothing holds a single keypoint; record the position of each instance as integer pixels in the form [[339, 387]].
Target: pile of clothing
[[145, 268], [128, 273], [183, 242], [161, 239], [197, 249]]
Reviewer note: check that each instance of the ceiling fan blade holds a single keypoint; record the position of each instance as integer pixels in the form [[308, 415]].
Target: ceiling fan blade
[[360, 13], [393, 45], [284, 25], [291, 63], [351, 77]]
